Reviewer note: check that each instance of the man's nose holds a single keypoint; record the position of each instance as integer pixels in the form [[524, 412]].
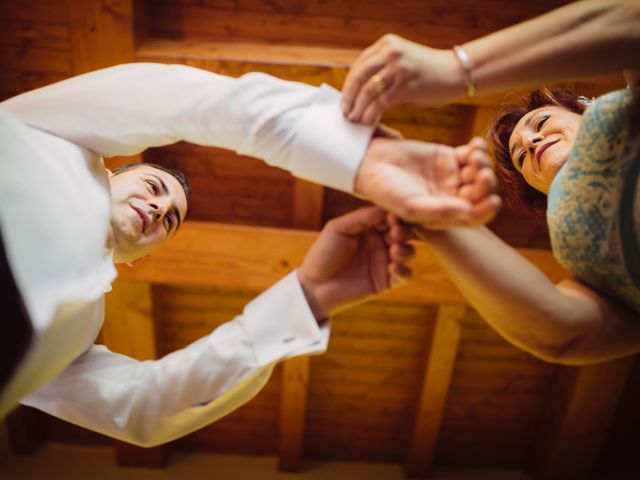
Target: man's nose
[[158, 209]]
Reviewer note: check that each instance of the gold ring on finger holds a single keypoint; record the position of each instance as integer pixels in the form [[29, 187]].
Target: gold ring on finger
[[379, 84]]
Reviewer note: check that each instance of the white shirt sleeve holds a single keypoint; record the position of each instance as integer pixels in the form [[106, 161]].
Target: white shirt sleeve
[[153, 402], [124, 109]]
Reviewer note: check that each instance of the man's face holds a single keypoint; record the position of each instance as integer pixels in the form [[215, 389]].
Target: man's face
[[147, 207]]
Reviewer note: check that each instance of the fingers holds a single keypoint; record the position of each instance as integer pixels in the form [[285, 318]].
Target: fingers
[[374, 95], [478, 186], [486, 210], [372, 83], [475, 153], [398, 274], [358, 221], [366, 65], [401, 252]]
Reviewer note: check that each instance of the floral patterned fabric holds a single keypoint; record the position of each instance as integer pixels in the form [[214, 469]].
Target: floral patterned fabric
[[594, 206]]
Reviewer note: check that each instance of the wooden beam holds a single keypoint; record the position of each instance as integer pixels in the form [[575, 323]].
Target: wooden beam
[[293, 411], [482, 116], [581, 408], [129, 328], [309, 64], [102, 33], [307, 215], [440, 364], [255, 258], [26, 429], [307, 205]]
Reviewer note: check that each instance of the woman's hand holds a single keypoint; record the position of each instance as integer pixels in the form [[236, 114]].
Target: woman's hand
[[395, 70]]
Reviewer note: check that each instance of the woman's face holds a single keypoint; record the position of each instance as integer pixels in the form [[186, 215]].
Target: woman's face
[[540, 144]]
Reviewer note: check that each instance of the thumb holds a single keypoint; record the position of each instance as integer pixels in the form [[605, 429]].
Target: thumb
[[360, 220]]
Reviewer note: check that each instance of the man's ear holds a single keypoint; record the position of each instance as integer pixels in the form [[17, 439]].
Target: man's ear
[[131, 264]]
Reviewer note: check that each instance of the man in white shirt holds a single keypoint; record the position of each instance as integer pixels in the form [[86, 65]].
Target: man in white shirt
[[64, 220]]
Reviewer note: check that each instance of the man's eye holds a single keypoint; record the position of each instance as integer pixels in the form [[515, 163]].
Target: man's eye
[[542, 121], [154, 187]]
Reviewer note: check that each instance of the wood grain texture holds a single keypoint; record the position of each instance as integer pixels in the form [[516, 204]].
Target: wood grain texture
[[102, 33], [439, 367], [255, 258], [583, 403]]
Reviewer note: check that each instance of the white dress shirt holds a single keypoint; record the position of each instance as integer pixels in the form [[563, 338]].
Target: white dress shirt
[[54, 215]]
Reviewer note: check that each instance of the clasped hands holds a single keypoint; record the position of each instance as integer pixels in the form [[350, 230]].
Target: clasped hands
[[365, 252], [434, 186]]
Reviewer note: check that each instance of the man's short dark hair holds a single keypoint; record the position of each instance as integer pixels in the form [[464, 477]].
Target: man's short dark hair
[[180, 176]]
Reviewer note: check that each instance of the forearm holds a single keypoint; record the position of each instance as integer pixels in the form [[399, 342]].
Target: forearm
[[510, 293], [148, 403], [580, 39], [125, 109]]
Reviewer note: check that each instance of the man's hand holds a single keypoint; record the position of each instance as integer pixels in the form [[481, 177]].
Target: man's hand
[[435, 185], [351, 261]]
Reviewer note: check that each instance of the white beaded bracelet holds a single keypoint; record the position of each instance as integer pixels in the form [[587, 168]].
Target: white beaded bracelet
[[466, 65]]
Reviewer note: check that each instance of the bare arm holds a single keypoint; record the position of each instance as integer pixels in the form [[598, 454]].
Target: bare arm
[[567, 323], [577, 40], [580, 39]]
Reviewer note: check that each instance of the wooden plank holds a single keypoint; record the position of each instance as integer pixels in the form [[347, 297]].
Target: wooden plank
[[313, 64], [35, 59], [49, 11], [306, 214], [482, 116], [26, 429], [307, 205], [434, 391], [102, 33], [463, 13], [230, 188], [582, 406], [24, 34], [253, 258], [293, 410], [129, 328]]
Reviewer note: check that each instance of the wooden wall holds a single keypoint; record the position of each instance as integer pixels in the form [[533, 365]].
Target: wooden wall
[[415, 378]]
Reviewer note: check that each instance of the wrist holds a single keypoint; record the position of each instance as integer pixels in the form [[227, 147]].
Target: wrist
[[312, 294], [375, 151], [466, 67]]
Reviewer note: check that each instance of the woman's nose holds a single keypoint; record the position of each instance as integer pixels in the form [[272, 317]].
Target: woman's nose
[[533, 140]]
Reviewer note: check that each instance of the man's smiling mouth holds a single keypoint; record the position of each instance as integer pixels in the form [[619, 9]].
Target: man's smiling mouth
[[143, 216]]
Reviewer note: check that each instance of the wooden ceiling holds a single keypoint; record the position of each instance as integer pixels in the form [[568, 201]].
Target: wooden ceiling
[[415, 378]]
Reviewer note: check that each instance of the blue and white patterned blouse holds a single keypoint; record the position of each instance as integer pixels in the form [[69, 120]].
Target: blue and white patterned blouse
[[594, 206]]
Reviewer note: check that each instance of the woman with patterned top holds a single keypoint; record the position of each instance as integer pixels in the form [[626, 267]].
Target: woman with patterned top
[[583, 162]]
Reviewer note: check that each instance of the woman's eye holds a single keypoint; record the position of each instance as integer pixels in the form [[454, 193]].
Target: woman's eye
[[542, 121], [521, 159], [154, 187], [169, 222]]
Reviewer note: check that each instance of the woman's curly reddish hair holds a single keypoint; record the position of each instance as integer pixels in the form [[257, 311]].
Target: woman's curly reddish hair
[[518, 194]]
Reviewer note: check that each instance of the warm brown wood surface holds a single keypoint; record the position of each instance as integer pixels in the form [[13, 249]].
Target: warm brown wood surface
[[415, 377]]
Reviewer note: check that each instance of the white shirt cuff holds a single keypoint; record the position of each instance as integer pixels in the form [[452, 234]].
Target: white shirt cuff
[[328, 149], [280, 323]]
